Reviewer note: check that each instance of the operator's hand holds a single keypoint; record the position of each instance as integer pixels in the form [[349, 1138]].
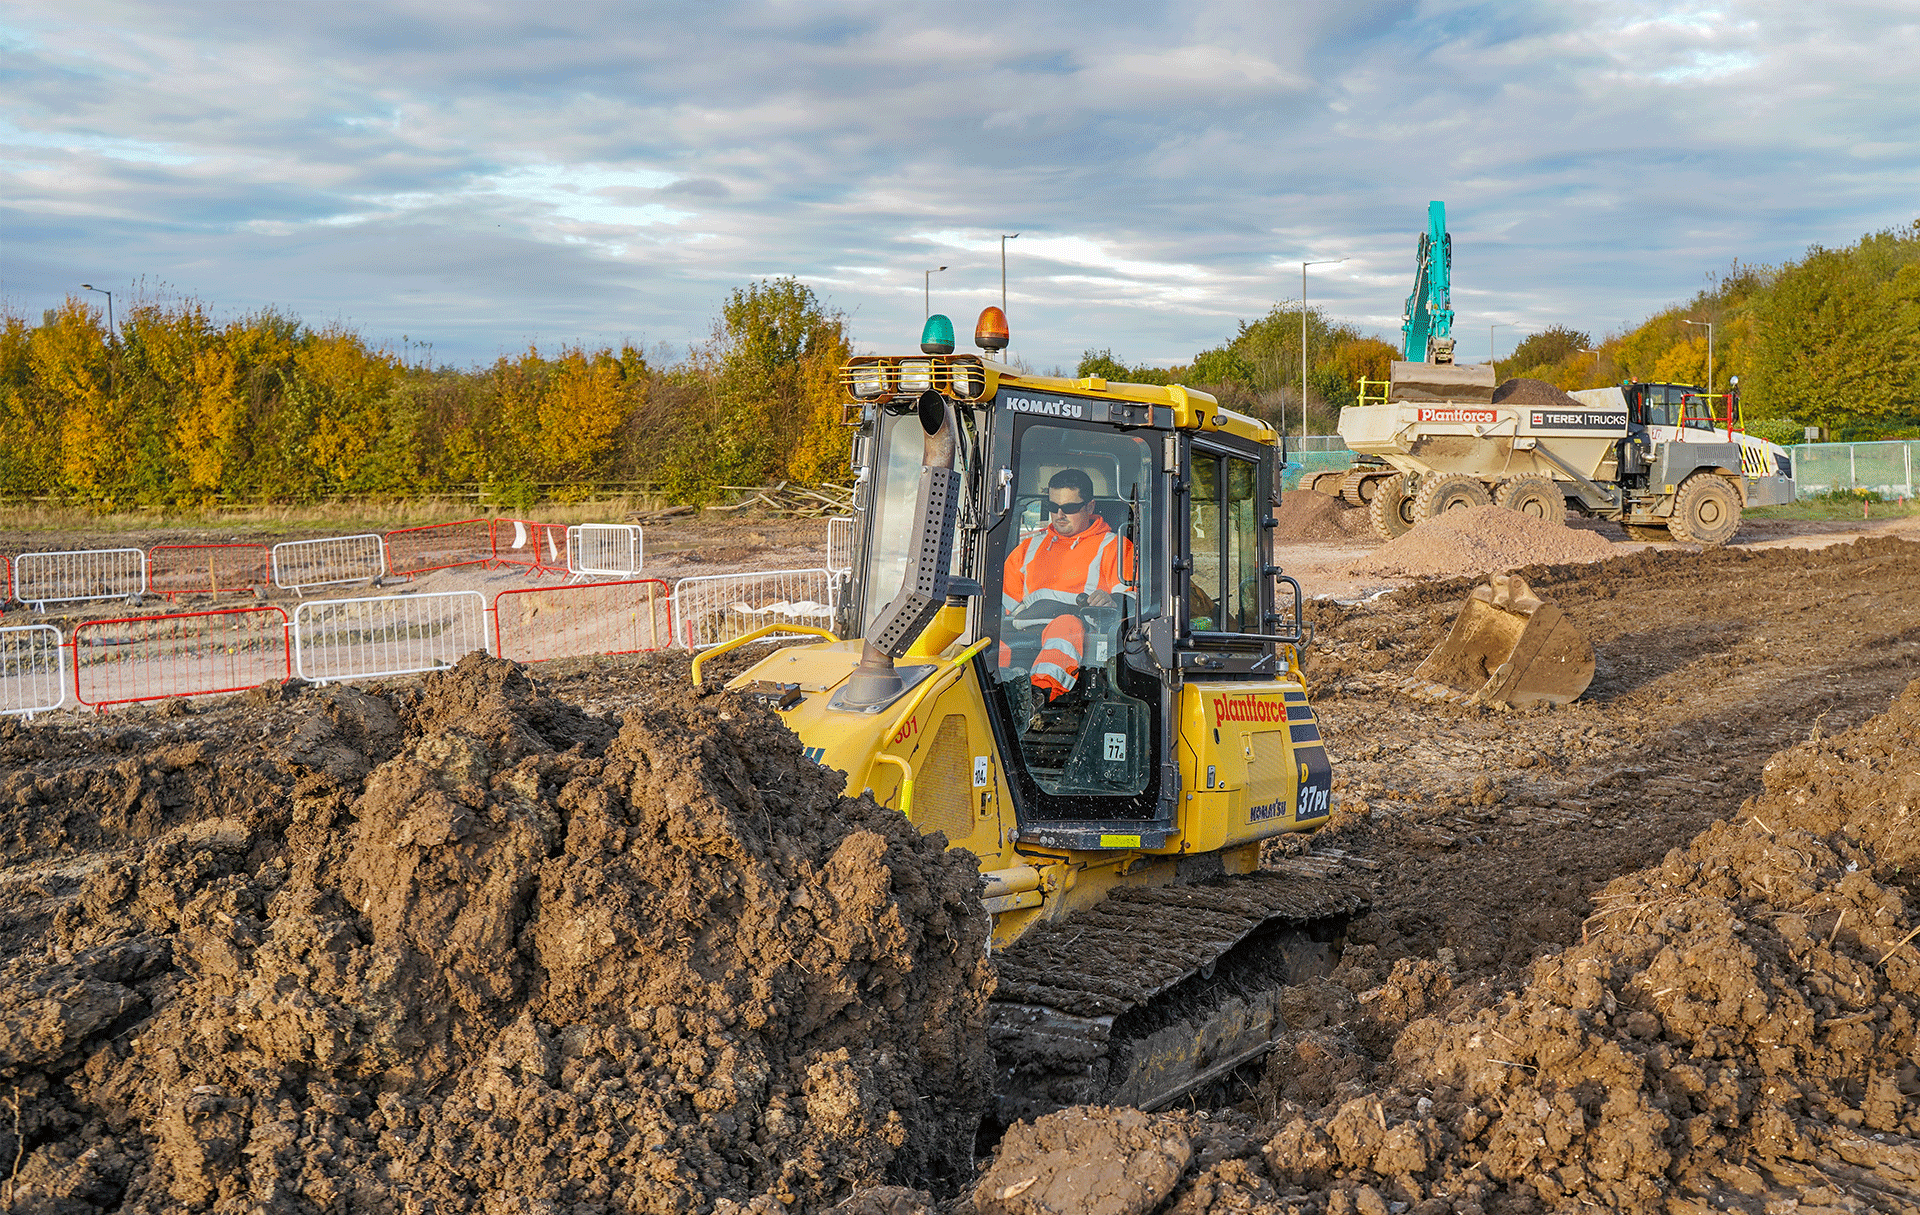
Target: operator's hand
[[1097, 599]]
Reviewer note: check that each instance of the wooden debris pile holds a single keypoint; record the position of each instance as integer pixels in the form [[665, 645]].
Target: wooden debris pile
[[793, 500]]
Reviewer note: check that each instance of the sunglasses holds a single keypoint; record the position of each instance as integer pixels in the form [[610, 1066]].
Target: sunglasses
[[1067, 508]]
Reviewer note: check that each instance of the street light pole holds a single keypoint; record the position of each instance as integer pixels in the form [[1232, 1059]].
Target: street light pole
[[1004, 238], [926, 289], [1709, 326], [90, 287], [1493, 351], [1303, 343]]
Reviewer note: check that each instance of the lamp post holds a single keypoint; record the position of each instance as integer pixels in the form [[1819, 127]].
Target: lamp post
[[1303, 342], [1493, 351], [90, 287], [926, 289], [1709, 327], [1004, 238]]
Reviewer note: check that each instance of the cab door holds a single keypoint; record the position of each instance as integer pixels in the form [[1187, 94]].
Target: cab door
[[1225, 597]]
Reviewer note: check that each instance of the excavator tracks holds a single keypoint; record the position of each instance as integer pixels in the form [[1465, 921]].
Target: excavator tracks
[[1158, 990]]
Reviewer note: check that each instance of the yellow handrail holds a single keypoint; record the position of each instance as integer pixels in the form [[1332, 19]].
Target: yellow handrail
[[906, 780], [756, 635]]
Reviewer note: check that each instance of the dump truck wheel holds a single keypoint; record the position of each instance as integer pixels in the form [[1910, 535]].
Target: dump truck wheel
[[1706, 510], [1650, 533], [1391, 508], [1536, 496], [1451, 492]]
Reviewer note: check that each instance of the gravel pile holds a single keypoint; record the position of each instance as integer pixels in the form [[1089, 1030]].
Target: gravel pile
[[1481, 540]]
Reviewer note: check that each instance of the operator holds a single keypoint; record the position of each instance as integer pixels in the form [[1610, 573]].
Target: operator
[[1076, 562]]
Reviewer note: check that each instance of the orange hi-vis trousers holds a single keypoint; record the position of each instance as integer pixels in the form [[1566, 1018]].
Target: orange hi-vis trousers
[[1049, 567]]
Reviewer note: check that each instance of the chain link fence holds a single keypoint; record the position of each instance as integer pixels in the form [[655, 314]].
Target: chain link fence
[[1883, 467]]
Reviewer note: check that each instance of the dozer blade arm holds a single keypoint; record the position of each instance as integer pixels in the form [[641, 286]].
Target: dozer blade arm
[[1510, 647]]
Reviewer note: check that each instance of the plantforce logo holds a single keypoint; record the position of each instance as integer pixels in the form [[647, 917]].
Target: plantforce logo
[[1054, 408], [1247, 708], [1472, 417]]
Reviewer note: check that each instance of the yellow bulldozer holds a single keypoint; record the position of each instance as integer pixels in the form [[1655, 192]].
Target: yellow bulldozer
[[1117, 807]]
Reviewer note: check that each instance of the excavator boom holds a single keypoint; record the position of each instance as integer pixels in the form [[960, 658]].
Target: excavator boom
[[1428, 327]]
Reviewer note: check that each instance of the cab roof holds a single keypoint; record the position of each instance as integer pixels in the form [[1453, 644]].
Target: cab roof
[[1192, 408]]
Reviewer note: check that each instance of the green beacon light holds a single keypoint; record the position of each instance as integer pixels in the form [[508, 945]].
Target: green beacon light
[[937, 335]]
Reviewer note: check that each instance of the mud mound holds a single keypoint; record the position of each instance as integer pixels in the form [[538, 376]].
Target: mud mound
[[1736, 1032], [478, 950], [1316, 517], [1482, 540], [1525, 392]]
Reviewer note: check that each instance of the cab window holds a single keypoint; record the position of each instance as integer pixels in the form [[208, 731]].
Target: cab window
[[896, 485], [1223, 542], [1063, 582]]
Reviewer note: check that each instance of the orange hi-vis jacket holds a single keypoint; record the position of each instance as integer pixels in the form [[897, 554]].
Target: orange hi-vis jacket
[[1047, 566]]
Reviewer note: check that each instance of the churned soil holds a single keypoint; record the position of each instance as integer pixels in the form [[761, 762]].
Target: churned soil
[[460, 945], [1482, 540], [410, 946], [1733, 1031]]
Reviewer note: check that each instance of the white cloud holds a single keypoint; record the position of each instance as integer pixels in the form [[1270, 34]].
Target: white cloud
[[597, 173]]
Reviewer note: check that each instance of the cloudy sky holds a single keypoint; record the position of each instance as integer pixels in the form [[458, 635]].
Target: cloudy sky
[[479, 177]]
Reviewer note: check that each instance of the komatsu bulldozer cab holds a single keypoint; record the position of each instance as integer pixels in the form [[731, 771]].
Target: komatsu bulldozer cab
[[1170, 578]]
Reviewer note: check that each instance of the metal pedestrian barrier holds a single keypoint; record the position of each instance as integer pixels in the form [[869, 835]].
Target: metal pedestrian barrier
[[840, 544], [534, 624], [439, 546], [71, 577], [33, 675], [180, 654], [716, 608], [604, 550], [541, 547], [208, 569], [329, 561], [388, 635]]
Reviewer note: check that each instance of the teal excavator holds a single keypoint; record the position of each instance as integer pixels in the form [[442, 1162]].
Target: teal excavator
[[1428, 321]]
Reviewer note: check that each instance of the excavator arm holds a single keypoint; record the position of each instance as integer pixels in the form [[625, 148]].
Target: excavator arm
[[1428, 327]]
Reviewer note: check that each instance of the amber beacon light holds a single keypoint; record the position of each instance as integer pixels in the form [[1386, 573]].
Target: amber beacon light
[[990, 333]]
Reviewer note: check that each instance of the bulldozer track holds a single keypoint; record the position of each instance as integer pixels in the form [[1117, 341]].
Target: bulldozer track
[[1075, 1005]]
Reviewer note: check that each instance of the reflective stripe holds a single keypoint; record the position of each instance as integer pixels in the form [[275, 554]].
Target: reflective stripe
[[1033, 544], [1008, 604], [1057, 672], [1093, 567], [1066, 647], [1070, 598]]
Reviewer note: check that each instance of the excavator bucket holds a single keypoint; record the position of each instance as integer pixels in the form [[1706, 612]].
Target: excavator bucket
[[1509, 647]]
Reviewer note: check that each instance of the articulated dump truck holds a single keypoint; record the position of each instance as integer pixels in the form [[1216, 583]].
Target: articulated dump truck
[[1664, 460], [1066, 645]]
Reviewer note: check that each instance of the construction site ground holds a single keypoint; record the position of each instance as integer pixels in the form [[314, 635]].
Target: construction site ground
[[1503, 1032]]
